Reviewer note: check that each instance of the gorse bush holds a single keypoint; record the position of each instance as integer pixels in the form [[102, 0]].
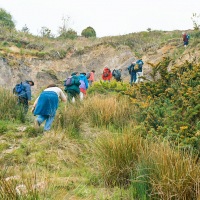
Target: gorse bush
[[102, 87], [169, 106]]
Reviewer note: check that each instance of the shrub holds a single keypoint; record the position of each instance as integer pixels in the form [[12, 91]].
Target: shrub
[[6, 19], [169, 105], [70, 34], [88, 32], [102, 87]]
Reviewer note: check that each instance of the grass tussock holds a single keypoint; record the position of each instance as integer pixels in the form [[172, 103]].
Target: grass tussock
[[117, 157], [69, 118], [172, 174], [149, 167], [8, 107], [108, 111]]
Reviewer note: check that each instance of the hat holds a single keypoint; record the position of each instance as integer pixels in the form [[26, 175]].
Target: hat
[[83, 73], [74, 73], [30, 81]]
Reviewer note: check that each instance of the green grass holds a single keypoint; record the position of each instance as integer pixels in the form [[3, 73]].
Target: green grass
[[121, 142]]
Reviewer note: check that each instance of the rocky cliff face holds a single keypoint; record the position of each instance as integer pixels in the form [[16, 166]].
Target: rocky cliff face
[[43, 71], [16, 68]]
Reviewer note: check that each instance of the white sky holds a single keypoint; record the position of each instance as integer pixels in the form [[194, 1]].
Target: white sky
[[107, 17]]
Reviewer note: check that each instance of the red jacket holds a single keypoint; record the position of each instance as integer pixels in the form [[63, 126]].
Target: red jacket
[[107, 74], [91, 77], [185, 39]]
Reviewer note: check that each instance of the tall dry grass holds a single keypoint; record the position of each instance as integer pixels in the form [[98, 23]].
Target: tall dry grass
[[69, 118], [149, 167], [117, 156], [9, 110], [109, 111], [172, 174]]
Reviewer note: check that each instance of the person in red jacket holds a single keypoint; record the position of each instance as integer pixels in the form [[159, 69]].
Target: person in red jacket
[[186, 38], [91, 77], [107, 74]]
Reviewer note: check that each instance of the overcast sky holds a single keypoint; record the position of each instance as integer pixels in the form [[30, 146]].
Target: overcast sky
[[107, 17]]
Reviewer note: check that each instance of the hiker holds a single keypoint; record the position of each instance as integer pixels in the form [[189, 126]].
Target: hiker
[[116, 73], [91, 77], [107, 75], [132, 72], [24, 95], [45, 106], [73, 89], [139, 71], [186, 38], [84, 85]]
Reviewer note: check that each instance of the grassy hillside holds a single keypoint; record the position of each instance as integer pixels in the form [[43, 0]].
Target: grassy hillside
[[56, 48], [121, 142]]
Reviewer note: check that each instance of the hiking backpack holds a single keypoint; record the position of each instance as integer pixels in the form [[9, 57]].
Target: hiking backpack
[[68, 81], [18, 88], [106, 73], [131, 68], [139, 62], [88, 75]]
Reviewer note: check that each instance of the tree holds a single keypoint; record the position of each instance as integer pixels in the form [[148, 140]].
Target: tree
[[25, 29], [45, 32], [195, 20], [88, 32], [149, 30], [65, 31], [6, 19]]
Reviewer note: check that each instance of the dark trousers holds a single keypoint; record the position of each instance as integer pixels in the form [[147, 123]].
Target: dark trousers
[[24, 103], [71, 94], [133, 77], [118, 78]]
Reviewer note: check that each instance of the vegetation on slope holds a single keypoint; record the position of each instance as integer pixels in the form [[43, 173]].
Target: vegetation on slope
[[122, 142]]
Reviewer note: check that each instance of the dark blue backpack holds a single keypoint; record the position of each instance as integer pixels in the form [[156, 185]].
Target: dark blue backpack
[[18, 88]]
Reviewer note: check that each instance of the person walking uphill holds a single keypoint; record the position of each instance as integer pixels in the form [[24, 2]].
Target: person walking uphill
[[72, 87], [139, 70], [116, 73], [91, 77], [45, 106], [186, 38], [132, 72], [84, 85], [107, 75], [24, 94]]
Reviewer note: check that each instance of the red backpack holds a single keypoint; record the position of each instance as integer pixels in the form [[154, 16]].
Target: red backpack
[[106, 72]]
